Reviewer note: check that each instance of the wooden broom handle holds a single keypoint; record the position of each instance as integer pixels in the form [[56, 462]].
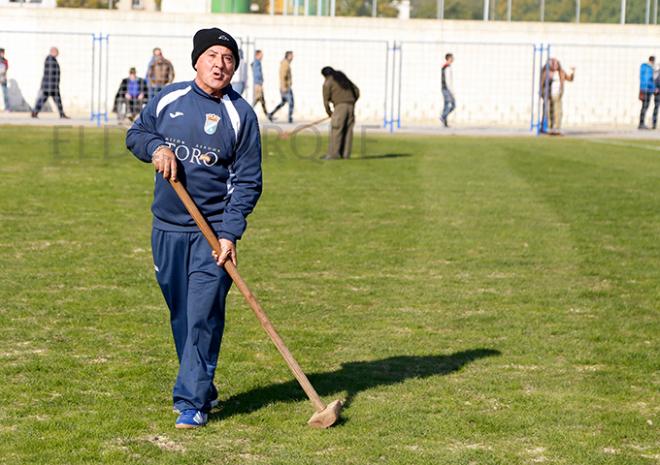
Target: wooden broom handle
[[309, 125], [213, 241]]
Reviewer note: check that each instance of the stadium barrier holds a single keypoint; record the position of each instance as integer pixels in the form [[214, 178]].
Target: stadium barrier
[[364, 62], [492, 82], [400, 81], [78, 61]]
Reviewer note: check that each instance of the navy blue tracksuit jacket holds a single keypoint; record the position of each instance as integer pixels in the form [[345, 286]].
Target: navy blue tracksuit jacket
[[218, 146]]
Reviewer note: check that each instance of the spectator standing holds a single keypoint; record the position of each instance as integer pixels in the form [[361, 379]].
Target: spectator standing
[[4, 67], [154, 54], [553, 78], [258, 82], [447, 89], [50, 84], [286, 91], [161, 73], [339, 90], [646, 89]]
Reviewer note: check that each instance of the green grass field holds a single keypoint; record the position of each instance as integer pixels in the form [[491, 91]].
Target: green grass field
[[476, 301]]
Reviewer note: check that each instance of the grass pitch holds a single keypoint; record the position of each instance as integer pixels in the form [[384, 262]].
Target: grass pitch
[[476, 301]]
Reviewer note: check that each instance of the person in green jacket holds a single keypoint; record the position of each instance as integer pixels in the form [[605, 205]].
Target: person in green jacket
[[342, 93]]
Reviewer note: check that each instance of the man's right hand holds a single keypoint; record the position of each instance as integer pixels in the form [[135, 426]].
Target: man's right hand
[[165, 162]]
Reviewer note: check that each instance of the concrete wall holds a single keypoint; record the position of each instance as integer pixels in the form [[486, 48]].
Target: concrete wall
[[492, 73]]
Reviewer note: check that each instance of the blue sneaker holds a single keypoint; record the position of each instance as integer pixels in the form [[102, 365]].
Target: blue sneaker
[[214, 404], [191, 418]]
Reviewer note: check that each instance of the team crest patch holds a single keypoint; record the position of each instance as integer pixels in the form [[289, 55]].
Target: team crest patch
[[211, 123]]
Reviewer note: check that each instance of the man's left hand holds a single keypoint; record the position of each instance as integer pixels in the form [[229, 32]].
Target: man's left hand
[[228, 252]]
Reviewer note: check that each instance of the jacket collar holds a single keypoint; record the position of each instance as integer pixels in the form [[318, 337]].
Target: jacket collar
[[198, 90]]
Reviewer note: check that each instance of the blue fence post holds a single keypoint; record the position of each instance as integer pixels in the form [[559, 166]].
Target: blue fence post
[[387, 69], [107, 71], [91, 103], [531, 119], [546, 93], [398, 110], [96, 109], [391, 120]]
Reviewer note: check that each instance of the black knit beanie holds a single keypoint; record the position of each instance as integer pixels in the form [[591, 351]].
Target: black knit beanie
[[205, 38]]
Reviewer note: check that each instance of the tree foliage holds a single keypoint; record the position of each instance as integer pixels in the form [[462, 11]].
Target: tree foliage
[[591, 11]]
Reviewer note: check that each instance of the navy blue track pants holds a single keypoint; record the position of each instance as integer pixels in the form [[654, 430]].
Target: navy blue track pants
[[195, 289]]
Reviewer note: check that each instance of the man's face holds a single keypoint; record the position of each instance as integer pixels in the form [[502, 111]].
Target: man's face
[[259, 55], [132, 76], [450, 60], [158, 53], [54, 52], [215, 67], [290, 57]]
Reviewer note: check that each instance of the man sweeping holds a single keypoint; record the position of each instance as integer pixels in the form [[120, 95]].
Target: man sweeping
[[339, 91], [204, 134]]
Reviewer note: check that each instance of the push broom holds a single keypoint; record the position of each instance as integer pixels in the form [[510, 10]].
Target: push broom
[[287, 135], [325, 415]]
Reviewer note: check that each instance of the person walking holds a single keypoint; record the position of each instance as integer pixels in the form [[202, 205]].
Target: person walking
[[258, 83], [50, 84], [4, 67], [447, 89], [160, 74], [286, 91], [156, 52], [339, 91], [646, 89], [553, 79], [205, 135]]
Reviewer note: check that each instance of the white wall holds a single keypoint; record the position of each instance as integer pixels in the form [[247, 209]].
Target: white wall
[[492, 73]]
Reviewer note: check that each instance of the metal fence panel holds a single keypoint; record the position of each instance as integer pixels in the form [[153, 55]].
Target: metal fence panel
[[76, 54], [606, 86], [127, 51], [492, 82], [364, 62]]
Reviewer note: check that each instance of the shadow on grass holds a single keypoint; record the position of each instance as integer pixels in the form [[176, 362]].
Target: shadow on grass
[[382, 156], [353, 377]]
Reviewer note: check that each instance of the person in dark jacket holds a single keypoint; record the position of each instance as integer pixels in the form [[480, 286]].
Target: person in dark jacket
[[132, 92], [342, 93], [204, 134], [50, 84]]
